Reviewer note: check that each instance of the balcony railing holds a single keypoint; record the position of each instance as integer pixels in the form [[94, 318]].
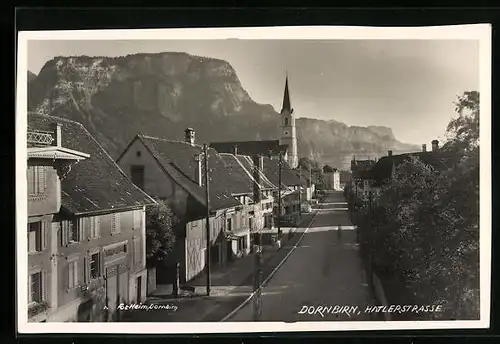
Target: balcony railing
[[40, 137]]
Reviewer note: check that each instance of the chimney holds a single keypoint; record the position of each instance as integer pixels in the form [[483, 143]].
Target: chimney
[[57, 130], [435, 144], [424, 148], [235, 148], [389, 152], [199, 169], [261, 162], [257, 159], [189, 136]]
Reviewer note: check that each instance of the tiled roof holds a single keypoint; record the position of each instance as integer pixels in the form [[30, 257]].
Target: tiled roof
[[265, 148], [247, 163], [382, 170], [288, 176], [95, 184], [241, 176], [181, 157]]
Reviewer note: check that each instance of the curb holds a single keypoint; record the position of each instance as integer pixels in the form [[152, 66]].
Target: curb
[[273, 272]]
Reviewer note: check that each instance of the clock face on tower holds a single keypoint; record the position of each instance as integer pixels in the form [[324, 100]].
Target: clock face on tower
[[286, 133]]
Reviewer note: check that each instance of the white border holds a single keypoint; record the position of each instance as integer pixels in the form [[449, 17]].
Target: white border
[[480, 32]]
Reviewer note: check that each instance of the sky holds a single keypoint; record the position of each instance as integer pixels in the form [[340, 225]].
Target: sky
[[407, 85]]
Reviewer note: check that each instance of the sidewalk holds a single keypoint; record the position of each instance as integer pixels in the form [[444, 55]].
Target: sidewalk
[[230, 286]]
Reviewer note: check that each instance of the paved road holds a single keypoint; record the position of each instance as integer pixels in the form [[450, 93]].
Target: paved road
[[324, 270]]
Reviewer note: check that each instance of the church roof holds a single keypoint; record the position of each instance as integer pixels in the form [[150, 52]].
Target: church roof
[[265, 148], [286, 98]]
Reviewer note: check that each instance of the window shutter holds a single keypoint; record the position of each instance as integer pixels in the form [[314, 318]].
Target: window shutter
[[35, 179], [85, 269], [101, 264], [75, 273], [97, 224], [43, 234], [81, 228], [31, 240], [71, 275], [42, 181], [45, 291]]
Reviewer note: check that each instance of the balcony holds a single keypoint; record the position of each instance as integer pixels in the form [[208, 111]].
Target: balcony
[[40, 138]]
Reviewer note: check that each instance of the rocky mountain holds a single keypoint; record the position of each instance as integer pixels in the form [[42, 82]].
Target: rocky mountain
[[162, 94]]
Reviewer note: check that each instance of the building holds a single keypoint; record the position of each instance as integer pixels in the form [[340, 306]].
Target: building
[[332, 178], [291, 185], [174, 171], [385, 168], [247, 168], [286, 145], [90, 251], [361, 176]]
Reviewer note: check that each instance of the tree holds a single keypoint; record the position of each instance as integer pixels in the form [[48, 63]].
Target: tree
[[430, 215], [307, 163], [160, 223]]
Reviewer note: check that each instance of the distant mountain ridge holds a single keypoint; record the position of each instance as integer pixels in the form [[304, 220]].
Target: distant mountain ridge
[[162, 94]]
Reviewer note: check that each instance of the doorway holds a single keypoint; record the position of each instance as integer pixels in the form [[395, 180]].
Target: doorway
[[139, 289]]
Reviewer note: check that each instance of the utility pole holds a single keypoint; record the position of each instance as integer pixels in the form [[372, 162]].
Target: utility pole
[[257, 240], [370, 256], [300, 193], [207, 200], [257, 300]]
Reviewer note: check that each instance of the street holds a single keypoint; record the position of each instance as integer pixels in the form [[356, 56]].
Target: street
[[323, 275]]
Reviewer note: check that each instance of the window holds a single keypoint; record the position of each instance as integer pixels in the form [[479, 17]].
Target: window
[[229, 224], [95, 225], [73, 274], [250, 223], [36, 242], [95, 266], [35, 287], [71, 232], [286, 123], [137, 175], [115, 224], [37, 181]]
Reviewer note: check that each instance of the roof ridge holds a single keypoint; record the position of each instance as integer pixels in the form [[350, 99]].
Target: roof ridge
[[149, 137], [114, 162]]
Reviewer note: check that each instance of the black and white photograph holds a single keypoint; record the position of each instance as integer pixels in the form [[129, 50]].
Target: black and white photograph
[[253, 180]]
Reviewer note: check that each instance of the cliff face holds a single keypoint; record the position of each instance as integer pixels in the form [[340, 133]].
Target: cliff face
[[162, 94]]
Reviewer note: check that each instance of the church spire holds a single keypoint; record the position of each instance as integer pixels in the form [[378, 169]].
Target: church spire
[[286, 98]]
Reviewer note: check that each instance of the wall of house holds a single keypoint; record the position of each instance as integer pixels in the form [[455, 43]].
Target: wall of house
[[196, 244], [48, 202], [41, 262], [121, 268]]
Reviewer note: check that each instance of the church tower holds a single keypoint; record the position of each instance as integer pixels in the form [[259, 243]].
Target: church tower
[[288, 134]]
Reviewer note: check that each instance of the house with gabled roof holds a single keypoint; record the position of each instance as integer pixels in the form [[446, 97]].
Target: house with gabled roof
[[385, 168], [86, 226], [174, 171]]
